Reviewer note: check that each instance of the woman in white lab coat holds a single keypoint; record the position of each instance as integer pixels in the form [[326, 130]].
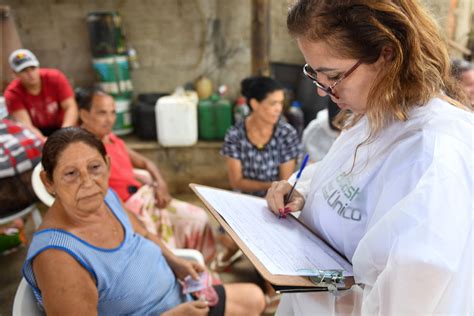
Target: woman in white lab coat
[[394, 194]]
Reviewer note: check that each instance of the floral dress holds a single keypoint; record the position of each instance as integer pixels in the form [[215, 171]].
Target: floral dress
[[179, 225]]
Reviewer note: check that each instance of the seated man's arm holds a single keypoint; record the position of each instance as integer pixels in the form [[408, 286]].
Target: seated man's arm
[[163, 196], [23, 117], [141, 162], [70, 112]]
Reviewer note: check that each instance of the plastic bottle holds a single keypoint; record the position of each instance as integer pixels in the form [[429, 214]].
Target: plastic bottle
[[241, 109], [203, 87], [295, 117]]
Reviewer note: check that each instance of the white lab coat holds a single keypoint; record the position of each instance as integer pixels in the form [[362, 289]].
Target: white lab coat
[[403, 216], [318, 136]]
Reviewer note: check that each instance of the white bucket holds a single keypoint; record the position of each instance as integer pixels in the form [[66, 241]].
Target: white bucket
[[123, 122], [176, 120]]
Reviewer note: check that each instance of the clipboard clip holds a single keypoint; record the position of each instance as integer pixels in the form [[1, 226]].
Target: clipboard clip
[[331, 279]]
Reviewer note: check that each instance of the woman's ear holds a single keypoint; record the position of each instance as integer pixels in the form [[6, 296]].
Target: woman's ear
[[253, 104], [47, 182], [387, 53]]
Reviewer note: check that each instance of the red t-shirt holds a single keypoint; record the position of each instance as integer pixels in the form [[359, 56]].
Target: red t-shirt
[[121, 168], [44, 109]]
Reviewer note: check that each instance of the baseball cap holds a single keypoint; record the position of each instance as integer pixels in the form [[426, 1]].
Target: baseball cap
[[21, 59]]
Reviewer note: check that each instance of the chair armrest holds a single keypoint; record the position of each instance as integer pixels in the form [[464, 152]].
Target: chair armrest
[[189, 254], [143, 176]]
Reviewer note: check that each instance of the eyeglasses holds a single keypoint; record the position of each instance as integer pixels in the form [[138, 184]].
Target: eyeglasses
[[313, 75]]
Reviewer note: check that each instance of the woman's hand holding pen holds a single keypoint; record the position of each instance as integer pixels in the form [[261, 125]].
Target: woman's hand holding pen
[[276, 196]]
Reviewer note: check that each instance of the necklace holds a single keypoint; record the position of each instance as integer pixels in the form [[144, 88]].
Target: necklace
[[113, 222], [259, 136]]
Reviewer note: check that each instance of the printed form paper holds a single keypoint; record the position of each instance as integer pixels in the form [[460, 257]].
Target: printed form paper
[[283, 246]]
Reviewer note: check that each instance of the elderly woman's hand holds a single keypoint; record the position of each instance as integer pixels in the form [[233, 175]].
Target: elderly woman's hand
[[276, 198], [182, 268], [189, 308], [162, 195]]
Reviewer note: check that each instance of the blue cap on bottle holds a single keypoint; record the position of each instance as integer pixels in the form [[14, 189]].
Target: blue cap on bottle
[[296, 104]]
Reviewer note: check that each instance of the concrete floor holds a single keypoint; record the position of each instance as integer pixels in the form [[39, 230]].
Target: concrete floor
[[10, 267]]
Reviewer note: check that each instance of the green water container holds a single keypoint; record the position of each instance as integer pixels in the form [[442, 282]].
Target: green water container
[[113, 75], [223, 110], [215, 117], [206, 119]]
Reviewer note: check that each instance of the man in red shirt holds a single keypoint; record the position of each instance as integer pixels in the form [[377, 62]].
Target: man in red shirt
[[40, 98]]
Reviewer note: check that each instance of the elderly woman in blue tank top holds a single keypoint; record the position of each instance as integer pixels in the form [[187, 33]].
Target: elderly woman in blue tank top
[[90, 256]]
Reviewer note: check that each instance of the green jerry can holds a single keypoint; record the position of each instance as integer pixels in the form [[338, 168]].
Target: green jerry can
[[223, 112], [206, 119], [215, 117]]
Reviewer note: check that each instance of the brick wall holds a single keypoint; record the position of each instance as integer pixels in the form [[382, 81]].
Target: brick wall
[[180, 166], [176, 40]]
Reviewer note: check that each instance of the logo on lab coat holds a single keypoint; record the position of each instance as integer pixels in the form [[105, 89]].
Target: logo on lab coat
[[339, 194]]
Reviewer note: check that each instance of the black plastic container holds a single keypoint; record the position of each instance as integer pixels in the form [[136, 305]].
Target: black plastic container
[[143, 114]]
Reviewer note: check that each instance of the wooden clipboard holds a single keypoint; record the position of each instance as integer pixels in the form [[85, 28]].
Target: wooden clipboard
[[281, 283]]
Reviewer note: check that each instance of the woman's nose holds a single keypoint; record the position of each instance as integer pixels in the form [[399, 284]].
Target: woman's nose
[[87, 179]]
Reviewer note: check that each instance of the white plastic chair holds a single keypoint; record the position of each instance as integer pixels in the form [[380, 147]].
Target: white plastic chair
[[39, 188], [25, 302], [189, 254], [32, 209]]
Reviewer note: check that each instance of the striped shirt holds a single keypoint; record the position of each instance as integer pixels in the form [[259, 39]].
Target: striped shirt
[[262, 164], [133, 278]]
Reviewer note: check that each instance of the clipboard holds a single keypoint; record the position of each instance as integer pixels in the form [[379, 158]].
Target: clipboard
[[329, 280]]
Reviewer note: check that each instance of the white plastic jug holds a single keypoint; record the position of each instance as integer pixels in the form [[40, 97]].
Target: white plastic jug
[[176, 119]]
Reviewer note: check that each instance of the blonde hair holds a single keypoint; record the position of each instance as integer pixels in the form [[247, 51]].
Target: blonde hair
[[360, 29]]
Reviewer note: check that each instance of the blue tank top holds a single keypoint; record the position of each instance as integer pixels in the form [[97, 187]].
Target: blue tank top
[[133, 278]]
